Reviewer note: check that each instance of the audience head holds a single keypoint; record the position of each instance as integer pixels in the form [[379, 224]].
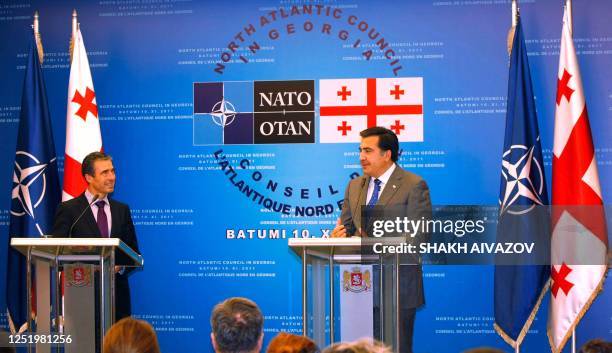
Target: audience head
[[596, 346], [484, 350], [129, 335], [288, 343], [361, 346], [237, 326], [4, 343]]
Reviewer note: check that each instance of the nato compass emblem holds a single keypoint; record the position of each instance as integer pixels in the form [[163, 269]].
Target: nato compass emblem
[[223, 113], [524, 178], [29, 184]]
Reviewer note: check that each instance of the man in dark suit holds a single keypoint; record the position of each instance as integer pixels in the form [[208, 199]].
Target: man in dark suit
[[386, 185], [106, 218]]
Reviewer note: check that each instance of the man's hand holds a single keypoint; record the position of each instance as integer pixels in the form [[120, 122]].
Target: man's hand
[[339, 231]]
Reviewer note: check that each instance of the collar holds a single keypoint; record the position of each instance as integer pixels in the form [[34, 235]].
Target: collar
[[90, 196], [384, 178]]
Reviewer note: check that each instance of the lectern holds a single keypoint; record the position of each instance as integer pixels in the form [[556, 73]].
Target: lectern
[[320, 257], [81, 302]]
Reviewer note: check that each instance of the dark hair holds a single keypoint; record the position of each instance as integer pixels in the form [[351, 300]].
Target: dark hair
[[87, 167], [484, 350], [288, 343], [387, 140], [596, 346], [4, 343], [237, 325], [362, 346], [129, 335]]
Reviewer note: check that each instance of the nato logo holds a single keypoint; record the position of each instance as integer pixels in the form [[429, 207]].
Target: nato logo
[[29, 187], [524, 179], [247, 112]]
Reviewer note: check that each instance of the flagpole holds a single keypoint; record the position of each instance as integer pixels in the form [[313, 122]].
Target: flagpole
[[515, 14], [39, 47], [74, 22], [513, 27], [35, 25], [74, 31], [570, 19]]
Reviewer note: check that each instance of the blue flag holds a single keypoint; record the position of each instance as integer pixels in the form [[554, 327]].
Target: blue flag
[[35, 191], [523, 198]]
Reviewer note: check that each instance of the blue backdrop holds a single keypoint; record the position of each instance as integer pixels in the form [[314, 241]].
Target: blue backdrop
[[145, 58]]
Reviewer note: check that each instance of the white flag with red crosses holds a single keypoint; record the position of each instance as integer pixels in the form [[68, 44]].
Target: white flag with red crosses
[[82, 124], [347, 106], [579, 240]]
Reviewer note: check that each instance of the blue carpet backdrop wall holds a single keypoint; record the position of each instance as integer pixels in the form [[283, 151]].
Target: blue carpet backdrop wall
[[161, 70]]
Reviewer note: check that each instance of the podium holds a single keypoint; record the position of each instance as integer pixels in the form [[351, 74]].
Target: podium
[[320, 257], [86, 310]]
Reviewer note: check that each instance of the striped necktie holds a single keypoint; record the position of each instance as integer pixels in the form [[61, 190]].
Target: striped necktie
[[374, 198]]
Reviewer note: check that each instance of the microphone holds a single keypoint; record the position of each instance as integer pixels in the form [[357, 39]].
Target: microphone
[[95, 198]]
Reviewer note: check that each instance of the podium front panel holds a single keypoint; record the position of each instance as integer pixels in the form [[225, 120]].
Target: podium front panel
[[80, 306]]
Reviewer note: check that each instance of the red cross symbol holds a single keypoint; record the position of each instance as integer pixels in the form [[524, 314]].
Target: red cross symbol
[[344, 128], [371, 109], [568, 185], [86, 103], [562, 87], [560, 280], [344, 93], [397, 127], [397, 92]]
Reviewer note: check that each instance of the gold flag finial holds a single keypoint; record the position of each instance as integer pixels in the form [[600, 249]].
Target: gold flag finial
[[35, 25], [515, 16], [74, 32], [515, 13], [37, 39], [570, 20]]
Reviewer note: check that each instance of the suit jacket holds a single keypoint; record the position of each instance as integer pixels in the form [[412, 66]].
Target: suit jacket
[[404, 190], [122, 227]]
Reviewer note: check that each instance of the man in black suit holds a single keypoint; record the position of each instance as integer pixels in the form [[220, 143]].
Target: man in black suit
[[106, 218], [385, 185]]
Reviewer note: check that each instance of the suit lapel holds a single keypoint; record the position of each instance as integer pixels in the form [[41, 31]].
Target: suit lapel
[[115, 219], [393, 185], [88, 217], [358, 204]]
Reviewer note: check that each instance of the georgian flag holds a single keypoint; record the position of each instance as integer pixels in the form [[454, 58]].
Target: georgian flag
[[82, 125], [579, 241], [348, 106]]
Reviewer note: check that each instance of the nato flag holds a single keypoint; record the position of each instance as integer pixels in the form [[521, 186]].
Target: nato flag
[[35, 191], [523, 212]]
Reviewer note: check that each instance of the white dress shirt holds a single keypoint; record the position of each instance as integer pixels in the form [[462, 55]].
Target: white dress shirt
[[384, 178]]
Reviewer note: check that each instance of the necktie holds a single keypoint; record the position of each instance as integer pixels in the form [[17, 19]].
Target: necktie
[[102, 220], [374, 198]]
